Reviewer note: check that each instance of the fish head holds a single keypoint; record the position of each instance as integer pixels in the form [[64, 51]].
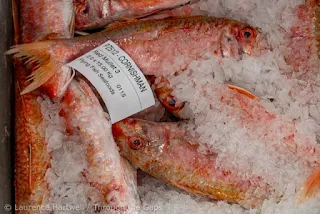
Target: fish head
[[164, 94], [140, 141], [239, 38], [251, 40]]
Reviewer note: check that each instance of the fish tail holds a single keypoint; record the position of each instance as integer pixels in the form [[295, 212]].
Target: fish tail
[[311, 187], [38, 56]]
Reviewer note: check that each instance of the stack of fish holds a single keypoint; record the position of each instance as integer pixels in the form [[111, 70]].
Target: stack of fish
[[153, 33]]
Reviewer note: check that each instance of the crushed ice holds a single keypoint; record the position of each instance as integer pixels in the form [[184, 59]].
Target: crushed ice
[[293, 97], [68, 189]]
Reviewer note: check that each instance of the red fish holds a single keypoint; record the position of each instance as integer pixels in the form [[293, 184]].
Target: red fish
[[31, 157], [251, 115], [167, 152], [153, 45], [106, 171]]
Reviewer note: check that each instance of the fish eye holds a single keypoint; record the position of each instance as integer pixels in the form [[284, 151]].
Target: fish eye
[[247, 33], [135, 143], [171, 102]]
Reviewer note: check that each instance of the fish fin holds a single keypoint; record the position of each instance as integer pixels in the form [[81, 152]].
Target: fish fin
[[36, 55], [243, 91], [311, 187]]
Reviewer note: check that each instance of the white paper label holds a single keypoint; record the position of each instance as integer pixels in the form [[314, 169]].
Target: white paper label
[[121, 84]]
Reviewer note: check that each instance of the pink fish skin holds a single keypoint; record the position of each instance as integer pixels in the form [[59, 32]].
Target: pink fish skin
[[167, 152], [106, 171], [304, 39], [92, 14], [47, 19], [254, 115], [34, 20], [36, 24], [303, 56], [153, 45], [183, 11]]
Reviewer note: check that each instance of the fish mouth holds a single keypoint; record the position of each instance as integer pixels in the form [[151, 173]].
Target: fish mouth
[[263, 43], [260, 49], [260, 46], [118, 133]]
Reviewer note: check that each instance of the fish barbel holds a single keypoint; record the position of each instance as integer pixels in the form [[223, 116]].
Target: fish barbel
[[106, 172], [154, 45], [31, 24], [92, 14], [167, 152]]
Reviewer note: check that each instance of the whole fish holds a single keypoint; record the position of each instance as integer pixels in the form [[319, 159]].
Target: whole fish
[[252, 115], [167, 152], [31, 157], [86, 118], [92, 14], [158, 47]]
